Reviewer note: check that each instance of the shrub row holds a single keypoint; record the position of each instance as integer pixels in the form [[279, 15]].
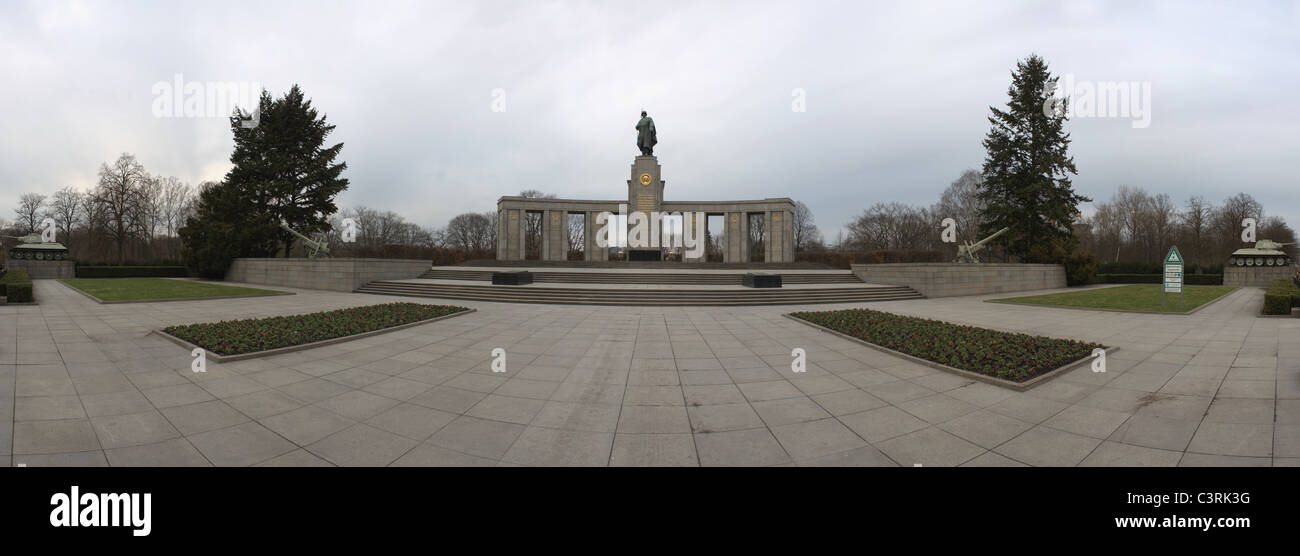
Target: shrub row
[[17, 287], [1016, 357], [1131, 267], [131, 272], [1280, 297], [253, 335], [1189, 279], [837, 259]]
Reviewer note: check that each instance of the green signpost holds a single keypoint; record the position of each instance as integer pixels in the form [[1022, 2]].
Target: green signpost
[[1173, 277]]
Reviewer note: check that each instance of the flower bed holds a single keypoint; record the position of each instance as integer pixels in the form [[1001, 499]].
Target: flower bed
[[1004, 355], [253, 335]]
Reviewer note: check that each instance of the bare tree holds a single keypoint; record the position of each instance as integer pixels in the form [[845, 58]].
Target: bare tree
[[66, 211], [175, 196], [1195, 221], [894, 226], [806, 236], [471, 231], [757, 225], [960, 202], [576, 226], [29, 211], [119, 196]]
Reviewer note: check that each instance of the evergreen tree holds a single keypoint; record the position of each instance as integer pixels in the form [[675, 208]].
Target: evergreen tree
[[222, 229], [282, 166], [1026, 171]]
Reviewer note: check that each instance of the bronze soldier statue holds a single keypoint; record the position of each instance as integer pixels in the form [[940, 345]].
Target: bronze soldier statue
[[645, 136]]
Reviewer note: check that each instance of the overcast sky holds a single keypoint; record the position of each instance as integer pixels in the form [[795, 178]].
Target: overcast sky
[[897, 95]]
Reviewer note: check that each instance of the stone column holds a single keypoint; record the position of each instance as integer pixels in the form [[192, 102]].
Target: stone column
[[789, 236], [588, 236], [501, 234], [744, 237], [770, 239], [521, 242], [512, 239], [553, 236]]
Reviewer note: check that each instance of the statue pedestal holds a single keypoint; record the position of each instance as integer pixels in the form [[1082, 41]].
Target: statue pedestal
[[645, 191]]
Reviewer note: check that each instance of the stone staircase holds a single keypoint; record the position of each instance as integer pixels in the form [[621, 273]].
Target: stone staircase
[[641, 296], [713, 279]]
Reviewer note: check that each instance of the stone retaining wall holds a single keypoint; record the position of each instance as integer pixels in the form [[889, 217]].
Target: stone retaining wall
[[1255, 276], [953, 279], [44, 270], [343, 275]]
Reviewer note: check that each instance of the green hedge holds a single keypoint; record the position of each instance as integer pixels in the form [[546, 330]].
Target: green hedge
[[1189, 279], [1280, 297], [131, 272], [17, 287], [1131, 267]]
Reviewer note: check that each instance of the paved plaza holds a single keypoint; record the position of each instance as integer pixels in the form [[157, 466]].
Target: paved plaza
[[86, 384]]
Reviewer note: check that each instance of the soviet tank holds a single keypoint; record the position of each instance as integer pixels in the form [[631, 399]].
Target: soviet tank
[[31, 247], [1265, 253]]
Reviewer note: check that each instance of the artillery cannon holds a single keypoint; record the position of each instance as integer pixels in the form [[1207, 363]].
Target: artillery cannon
[[314, 248], [31, 247], [969, 253], [1266, 252]]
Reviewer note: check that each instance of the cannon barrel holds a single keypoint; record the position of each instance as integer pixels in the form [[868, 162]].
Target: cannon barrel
[[317, 247], [969, 253], [984, 241]]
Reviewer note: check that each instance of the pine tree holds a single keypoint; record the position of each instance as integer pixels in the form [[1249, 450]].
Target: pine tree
[[282, 166], [1026, 171]]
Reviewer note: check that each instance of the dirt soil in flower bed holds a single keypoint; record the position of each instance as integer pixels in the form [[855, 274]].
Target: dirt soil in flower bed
[[1005, 355], [251, 335]]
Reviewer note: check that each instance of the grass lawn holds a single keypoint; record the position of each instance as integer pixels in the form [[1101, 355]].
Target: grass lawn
[[253, 335], [1137, 297], [1004, 355], [151, 289]]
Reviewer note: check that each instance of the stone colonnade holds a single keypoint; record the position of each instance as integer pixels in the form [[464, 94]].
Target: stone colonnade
[[512, 215]]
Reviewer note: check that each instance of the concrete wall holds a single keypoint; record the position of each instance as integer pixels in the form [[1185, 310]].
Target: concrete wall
[[343, 275], [44, 270], [952, 279], [1259, 276]]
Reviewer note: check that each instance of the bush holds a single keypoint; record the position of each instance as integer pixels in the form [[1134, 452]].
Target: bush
[[1080, 269], [17, 287], [1277, 304], [1280, 297], [131, 272], [20, 292]]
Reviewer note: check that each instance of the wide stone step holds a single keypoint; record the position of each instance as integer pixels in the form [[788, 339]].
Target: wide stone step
[[582, 296], [645, 277]]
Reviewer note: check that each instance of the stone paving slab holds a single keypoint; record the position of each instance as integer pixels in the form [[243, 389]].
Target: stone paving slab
[[86, 384]]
